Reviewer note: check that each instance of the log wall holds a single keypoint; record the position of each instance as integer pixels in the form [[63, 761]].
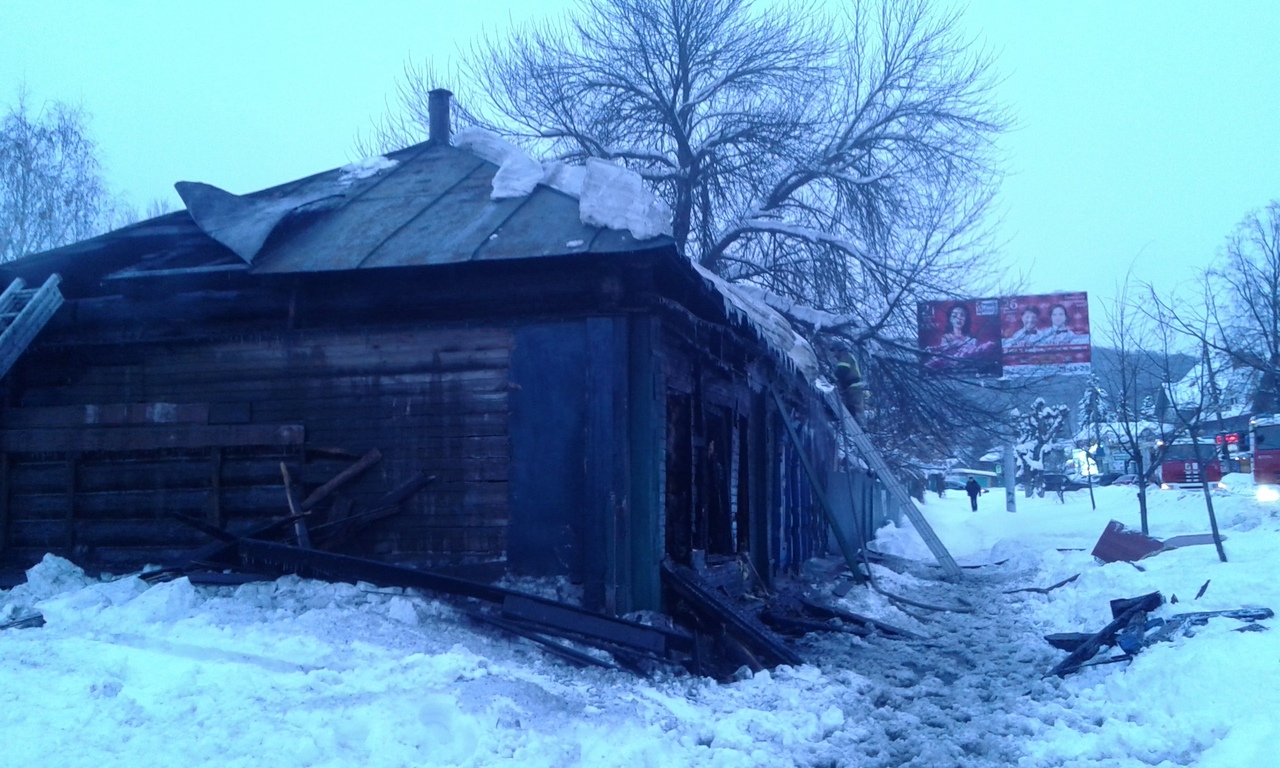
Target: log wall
[[88, 475]]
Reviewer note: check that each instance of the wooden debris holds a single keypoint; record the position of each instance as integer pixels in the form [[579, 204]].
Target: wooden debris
[[1243, 614], [530, 612], [299, 525], [1044, 590], [762, 643], [26, 622], [1203, 587], [1189, 540], [1067, 641], [1181, 623], [559, 649], [835, 611], [388, 505], [1117, 543], [1090, 647], [340, 479], [1131, 631], [584, 623], [791, 624]]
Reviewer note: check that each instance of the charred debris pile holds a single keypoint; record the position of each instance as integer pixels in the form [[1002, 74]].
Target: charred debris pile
[[716, 627]]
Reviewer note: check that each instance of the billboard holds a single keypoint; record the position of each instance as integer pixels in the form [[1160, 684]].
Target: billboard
[[1010, 336], [1044, 334], [961, 336]]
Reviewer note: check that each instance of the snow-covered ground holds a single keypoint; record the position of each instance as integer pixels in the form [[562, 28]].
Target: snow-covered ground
[[303, 673]]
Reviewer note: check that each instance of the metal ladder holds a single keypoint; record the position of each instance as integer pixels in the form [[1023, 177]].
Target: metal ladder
[[23, 312], [873, 458]]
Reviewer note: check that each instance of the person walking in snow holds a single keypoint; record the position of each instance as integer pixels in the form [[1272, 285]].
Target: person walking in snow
[[973, 489]]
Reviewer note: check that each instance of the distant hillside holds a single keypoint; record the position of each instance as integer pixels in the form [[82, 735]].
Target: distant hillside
[[1106, 363]]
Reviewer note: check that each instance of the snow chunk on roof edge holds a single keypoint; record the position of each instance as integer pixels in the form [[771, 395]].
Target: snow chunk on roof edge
[[609, 195], [774, 329]]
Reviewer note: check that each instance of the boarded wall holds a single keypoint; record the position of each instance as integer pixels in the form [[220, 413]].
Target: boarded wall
[[431, 400]]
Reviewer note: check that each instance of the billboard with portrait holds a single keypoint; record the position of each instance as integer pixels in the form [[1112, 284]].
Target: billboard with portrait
[[961, 336], [1045, 334]]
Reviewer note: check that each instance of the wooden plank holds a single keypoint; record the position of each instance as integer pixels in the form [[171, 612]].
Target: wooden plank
[[327, 565], [759, 640], [149, 438], [92, 534], [563, 651], [299, 525], [10, 295], [906, 504], [236, 502], [827, 610], [588, 623], [109, 414], [1106, 636], [343, 477], [70, 519], [4, 501], [846, 548], [19, 334], [215, 488], [123, 472]]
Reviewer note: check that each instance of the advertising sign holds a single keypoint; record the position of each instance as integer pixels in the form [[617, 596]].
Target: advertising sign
[[1010, 336], [961, 336], [1045, 334]]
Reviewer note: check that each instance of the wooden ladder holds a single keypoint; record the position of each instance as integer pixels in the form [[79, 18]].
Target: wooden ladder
[[23, 312]]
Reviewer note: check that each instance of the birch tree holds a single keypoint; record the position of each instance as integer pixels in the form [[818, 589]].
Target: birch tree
[[51, 187]]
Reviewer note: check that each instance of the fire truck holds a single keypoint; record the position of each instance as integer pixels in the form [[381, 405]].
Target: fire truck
[[1186, 465], [1264, 445]]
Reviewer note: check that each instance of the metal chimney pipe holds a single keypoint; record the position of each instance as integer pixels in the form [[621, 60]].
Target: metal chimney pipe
[[438, 122]]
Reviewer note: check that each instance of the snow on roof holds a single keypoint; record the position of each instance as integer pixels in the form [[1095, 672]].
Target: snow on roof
[[363, 169], [1145, 430], [1236, 387], [817, 318], [608, 195], [747, 307]]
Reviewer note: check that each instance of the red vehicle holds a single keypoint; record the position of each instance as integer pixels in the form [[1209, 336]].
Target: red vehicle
[[1180, 467], [1264, 444]]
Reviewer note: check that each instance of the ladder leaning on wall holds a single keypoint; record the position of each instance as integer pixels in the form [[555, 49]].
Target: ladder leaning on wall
[[869, 453], [23, 312]]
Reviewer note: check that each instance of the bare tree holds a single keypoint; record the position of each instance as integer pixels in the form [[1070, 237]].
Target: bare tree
[[1192, 400], [844, 159], [1093, 411], [1137, 356], [51, 188], [1238, 316]]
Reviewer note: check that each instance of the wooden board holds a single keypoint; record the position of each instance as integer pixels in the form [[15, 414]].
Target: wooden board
[[148, 438]]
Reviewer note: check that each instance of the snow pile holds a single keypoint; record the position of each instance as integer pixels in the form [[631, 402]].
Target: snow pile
[[616, 198], [608, 195], [365, 168], [517, 174], [297, 673]]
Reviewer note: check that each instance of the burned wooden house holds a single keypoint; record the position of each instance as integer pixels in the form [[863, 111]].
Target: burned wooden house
[[527, 392]]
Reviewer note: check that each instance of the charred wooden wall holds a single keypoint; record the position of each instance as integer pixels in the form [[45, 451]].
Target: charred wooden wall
[[734, 483], [430, 398]]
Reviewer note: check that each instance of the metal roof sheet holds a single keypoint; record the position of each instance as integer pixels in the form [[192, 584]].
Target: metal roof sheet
[[433, 207]]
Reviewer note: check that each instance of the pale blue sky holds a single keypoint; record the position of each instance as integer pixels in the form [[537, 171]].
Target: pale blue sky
[[1146, 129]]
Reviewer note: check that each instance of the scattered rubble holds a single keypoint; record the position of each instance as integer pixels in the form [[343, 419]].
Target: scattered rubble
[[1131, 630]]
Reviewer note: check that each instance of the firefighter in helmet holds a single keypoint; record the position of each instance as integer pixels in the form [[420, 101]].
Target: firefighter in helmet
[[850, 382]]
